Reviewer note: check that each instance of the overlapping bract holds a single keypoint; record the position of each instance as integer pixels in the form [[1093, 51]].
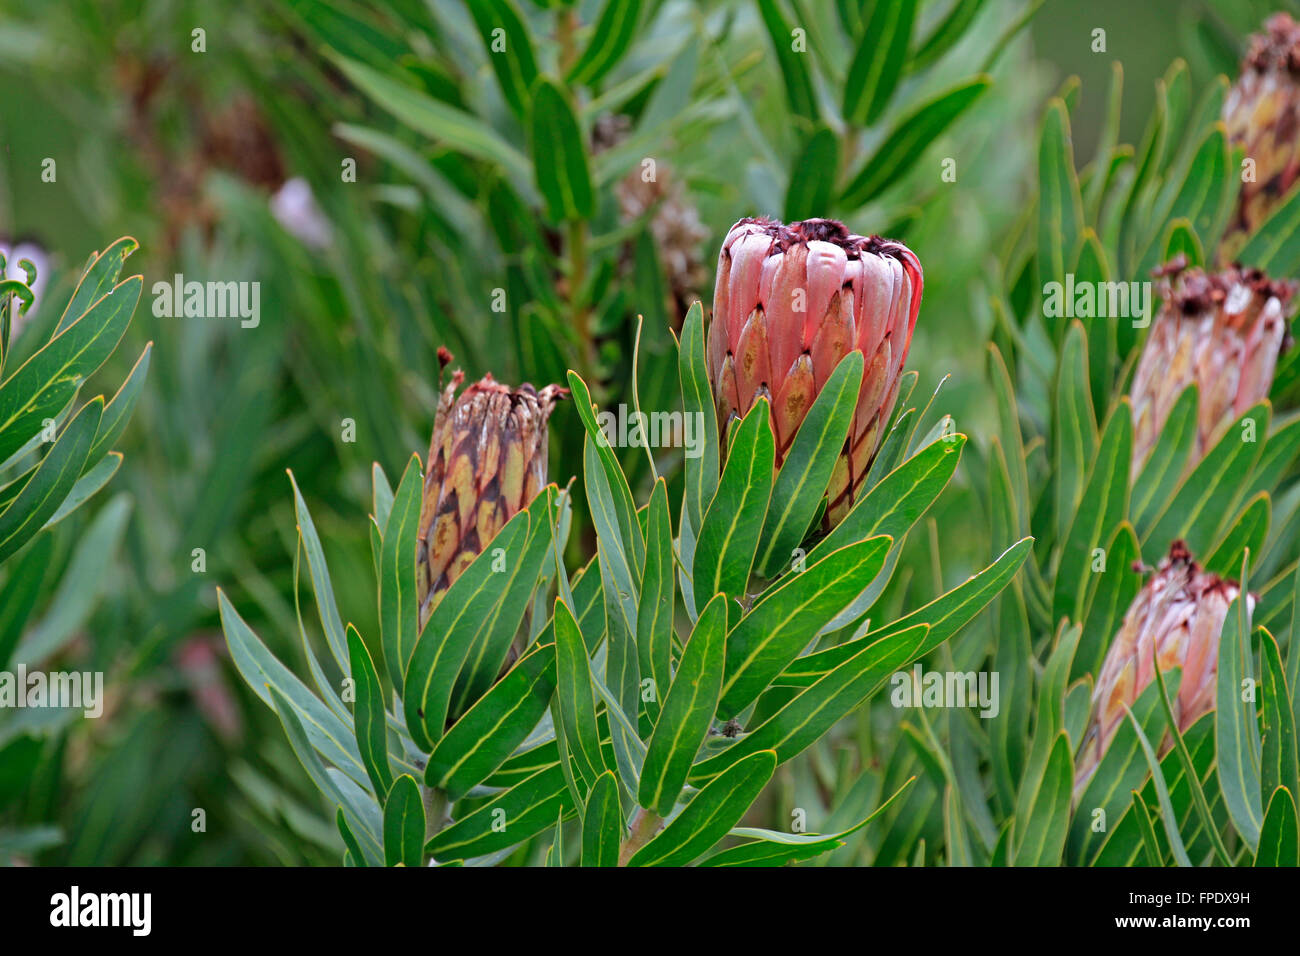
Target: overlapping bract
[[1222, 332], [1262, 115], [1175, 621], [487, 462], [789, 303]]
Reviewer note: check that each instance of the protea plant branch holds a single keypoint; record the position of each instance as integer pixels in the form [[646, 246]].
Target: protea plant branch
[[650, 696]]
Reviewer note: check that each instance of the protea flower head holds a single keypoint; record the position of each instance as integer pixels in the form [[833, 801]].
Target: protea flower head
[[487, 462], [790, 302], [1222, 332], [1175, 621], [1262, 115]]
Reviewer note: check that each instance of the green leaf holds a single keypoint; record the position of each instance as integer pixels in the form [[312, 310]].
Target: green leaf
[[710, 814], [368, 715], [1247, 533], [508, 818], [320, 579], [1102, 506], [404, 823], [45, 384], [1159, 476], [88, 485], [1280, 766], [1115, 589], [463, 615], [398, 613], [1043, 838], [817, 708], [1198, 506], [1093, 268], [894, 505], [118, 412], [1279, 838], [724, 552], [1143, 818], [52, 481], [574, 699], [1167, 814], [512, 58], [945, 616], [946, 35], [811, 187], [1076, 426], [602, 823], [878, 62], [349, 839], [794, 66], [785, 619], [98, 279], [779, 849], [445, 124], [658, 598], [613, 34], [1275, 244], [1060, 205], [1235, 730], [687, 713], [620, 531], [515, 586], [22, 588], [559, 155], [492, 729], [307, 756], [261, 670], [807, 469], [909, 137], [697, 401]]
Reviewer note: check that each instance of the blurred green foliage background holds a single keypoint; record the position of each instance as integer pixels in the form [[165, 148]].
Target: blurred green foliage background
[[187, 151]]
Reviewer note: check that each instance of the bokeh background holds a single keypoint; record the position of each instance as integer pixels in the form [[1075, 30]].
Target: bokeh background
[[231, 163]]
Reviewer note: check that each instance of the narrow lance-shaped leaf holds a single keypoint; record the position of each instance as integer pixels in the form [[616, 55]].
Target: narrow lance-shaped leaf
[[559, 155], [878, 62], [687, 712], [397, 584], [774, 633], [404, 823], [602, 823], [807, 469], [368, 715], [710, 814], [725, 550], [574, 698]]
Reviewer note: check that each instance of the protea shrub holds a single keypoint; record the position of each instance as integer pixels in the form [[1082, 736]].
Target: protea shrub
[[1175, 621], [1220, 331], [636, 705], [789, 303]]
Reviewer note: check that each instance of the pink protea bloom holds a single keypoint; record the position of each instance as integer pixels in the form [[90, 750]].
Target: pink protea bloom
[[1176, 621], [1221, 331], [790, 302]]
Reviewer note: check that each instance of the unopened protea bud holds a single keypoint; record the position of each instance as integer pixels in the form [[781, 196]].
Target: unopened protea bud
[[487, 462], [790, 302], [1262, 115], [1222, 332], [1175, 621]]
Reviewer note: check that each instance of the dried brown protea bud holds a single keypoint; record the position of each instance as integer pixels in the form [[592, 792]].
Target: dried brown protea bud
[[487, 462], [1175, 620], [1222, 332], [790, 302], [1262, 115]]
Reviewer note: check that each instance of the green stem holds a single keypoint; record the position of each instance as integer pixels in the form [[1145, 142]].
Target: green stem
[[644, 826]]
